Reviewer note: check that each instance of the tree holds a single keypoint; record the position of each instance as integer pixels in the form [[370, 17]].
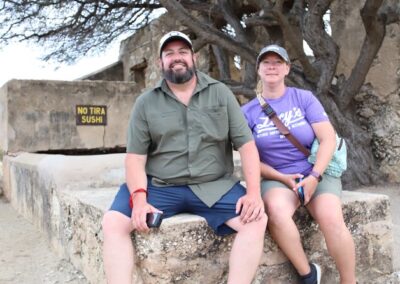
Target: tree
[[233, 28]]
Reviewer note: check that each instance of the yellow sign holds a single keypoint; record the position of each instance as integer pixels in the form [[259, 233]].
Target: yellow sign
[[91, 115]]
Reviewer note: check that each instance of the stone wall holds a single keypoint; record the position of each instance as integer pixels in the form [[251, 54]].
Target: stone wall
[[42, 115], [66, 196], [113, 72], [378, 102]]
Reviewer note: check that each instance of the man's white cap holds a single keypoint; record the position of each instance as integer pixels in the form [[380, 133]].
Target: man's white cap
[[173, 36]]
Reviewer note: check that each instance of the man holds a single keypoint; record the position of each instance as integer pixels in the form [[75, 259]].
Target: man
[[179, 159]]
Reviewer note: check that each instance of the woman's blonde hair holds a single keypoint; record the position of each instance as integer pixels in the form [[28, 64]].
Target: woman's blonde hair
[[259, 87]]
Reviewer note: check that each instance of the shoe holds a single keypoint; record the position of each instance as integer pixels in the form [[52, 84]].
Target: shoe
[[314, 277]]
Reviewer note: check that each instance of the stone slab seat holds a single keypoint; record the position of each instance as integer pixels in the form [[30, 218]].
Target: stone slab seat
[[67, 202]]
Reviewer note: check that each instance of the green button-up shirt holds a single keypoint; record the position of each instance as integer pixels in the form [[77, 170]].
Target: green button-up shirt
[[192, 144]]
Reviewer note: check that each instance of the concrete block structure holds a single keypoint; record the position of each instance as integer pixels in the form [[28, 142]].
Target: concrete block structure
[[37, 115]]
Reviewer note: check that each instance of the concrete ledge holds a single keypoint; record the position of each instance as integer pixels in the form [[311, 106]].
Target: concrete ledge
[[205, 255], [66, 197]]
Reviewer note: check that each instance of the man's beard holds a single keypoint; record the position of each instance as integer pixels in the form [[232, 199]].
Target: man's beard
[[178, 77]]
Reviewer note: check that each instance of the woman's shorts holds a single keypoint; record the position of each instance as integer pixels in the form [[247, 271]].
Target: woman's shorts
[[328, 184], [173, 200]]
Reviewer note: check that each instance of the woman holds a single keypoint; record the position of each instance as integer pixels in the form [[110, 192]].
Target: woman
[[283, 163]]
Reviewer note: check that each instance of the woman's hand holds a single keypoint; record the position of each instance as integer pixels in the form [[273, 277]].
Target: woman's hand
[[290, 179], [309, 185]]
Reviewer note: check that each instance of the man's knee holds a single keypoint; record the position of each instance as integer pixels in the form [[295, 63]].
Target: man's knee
[[116, 223], [263, 221], [257, 226]]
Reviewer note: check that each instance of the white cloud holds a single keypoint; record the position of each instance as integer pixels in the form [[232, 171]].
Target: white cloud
[[22, 61]]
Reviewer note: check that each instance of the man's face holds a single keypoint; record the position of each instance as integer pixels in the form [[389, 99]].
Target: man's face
[[177, 62]]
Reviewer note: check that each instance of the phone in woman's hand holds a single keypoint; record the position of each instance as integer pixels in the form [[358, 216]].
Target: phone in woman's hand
[[300, 192]]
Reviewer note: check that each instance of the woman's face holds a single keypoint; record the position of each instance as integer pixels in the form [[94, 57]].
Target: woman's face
[[273, 69]]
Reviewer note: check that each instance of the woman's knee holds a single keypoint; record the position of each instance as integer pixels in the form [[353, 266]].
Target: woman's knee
[[115, 223], [278, 213], [332, 224]]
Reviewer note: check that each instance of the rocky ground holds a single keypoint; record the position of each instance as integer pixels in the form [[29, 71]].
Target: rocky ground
[[26, 257]]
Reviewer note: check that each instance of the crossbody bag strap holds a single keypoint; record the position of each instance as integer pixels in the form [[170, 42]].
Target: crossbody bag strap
[[269, 111]]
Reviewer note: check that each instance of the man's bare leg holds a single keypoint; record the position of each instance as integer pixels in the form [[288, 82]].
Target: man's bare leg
[[117, 248], [246, 250]]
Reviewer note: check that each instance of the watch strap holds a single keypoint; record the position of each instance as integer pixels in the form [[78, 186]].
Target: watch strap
[[316, 175]]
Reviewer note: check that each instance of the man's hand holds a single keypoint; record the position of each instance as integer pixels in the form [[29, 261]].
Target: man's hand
[[139, 212], [251, 207]]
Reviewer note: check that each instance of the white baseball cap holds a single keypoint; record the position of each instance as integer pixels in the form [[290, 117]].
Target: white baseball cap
[[171, 36]]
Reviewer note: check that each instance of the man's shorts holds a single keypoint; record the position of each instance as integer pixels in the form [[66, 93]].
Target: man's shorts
[[173, 200], [328, 184]]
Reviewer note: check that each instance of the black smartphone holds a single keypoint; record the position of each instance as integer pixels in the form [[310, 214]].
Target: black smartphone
[[153, 220], [300, 192]]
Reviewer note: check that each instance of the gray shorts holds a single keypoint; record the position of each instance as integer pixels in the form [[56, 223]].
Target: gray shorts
[[329, 184]]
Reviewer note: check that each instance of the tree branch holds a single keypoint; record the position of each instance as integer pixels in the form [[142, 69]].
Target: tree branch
[[222, 62], [230, 17], [325, 50], [239, 89], [227, 8], [211, 34], [375, 31]]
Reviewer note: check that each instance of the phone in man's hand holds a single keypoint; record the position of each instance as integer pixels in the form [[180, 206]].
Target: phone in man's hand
[[153, 220]]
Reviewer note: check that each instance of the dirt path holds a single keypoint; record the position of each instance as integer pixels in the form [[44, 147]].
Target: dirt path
[[25, 255]]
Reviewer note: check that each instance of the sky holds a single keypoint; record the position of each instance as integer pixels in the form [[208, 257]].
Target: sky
[[22, 61]]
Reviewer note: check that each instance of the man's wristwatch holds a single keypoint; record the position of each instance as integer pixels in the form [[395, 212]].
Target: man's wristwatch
[[316, 175]]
